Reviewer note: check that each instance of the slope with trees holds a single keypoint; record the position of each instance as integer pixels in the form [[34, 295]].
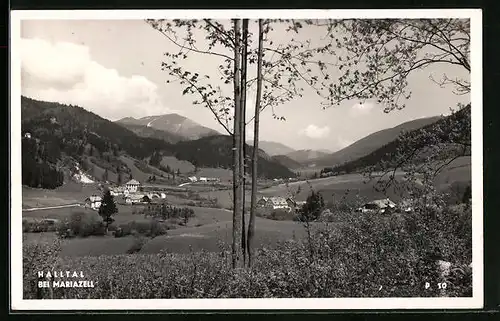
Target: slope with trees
[[384, 156], [372, 142], [61, 131]]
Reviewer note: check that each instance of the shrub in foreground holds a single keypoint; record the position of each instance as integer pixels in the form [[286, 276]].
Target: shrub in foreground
[[360, 256], [81, 224], [39, 226]]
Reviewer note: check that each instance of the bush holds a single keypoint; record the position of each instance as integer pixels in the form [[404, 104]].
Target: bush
[[38, 256], [312, 208], [151, 228], [81, 224], [137, 245], [39, 226], [282, 215], [166, 212]]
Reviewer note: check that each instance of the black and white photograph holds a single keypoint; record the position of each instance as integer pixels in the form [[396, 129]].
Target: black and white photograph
[[331, 159]]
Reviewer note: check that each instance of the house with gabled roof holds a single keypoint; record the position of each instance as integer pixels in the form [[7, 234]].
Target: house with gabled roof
[[93, 202], [132, 186], [274, 203]]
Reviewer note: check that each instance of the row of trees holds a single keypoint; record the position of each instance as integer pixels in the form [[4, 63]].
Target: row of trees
[[371, 59]]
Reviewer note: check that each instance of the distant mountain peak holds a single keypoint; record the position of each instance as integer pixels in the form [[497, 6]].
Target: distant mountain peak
[[272, 148], [172, 123], [305, 155]]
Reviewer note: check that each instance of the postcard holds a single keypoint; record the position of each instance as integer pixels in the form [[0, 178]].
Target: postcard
[[246, 159]]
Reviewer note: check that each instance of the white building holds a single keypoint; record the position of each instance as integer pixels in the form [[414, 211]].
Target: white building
[[117, 191], [274, 203], [132, 186], [93, 202], [27, 135], [203, 179], [193, 179], [134, 199]]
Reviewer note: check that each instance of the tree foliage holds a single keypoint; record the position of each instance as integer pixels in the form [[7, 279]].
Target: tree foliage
[[155, 159], [313, 207], [108, 208], [375, 57]]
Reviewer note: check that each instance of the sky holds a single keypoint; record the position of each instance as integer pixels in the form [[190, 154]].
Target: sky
[[113, 68]]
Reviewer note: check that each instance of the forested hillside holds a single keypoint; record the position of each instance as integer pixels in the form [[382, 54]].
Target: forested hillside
[[61, 135], [447, 137], [372, 143], [216, 151]]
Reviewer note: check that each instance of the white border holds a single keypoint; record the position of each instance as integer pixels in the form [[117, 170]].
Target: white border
[[17, 302]]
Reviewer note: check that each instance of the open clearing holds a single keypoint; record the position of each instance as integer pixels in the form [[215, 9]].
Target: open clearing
[[332, 188], [207, 237], [176, 164], [69, 193], [353, 185]]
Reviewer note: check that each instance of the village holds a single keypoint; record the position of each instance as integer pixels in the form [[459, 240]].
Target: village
[[133, 192]]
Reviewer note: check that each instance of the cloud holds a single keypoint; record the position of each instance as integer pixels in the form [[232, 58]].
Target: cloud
[[313, 131], [66, 73], [362, 108]]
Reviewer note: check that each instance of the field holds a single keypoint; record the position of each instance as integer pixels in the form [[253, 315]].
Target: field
[[356, 256], [332, 188], [203, 232], [212, 225], [175, 164], [207, 237], [222, 173], [288, 259], [353, 185], [69, 193]]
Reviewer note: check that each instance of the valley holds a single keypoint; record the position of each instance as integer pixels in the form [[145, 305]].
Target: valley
[[186, 175]]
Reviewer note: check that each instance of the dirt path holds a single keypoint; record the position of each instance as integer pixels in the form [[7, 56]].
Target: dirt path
[[50, 207]]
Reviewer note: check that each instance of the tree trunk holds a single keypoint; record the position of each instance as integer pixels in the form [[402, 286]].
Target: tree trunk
[[243, 136], [255, 154], [236, 253]]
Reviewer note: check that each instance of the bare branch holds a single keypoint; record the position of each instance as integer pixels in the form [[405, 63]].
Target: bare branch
[[191, 48]]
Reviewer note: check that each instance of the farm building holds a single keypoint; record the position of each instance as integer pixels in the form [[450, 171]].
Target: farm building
[[273, 203], [27, 135], [93, 202], [203, 179], [193, 179], [134, 199], [132, 186], [378, 206], [120, 190]]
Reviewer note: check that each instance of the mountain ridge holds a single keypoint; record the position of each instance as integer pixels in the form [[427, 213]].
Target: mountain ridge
[[371, 142], [58, 131], [303, 156], [172, 123], [272, 148]]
